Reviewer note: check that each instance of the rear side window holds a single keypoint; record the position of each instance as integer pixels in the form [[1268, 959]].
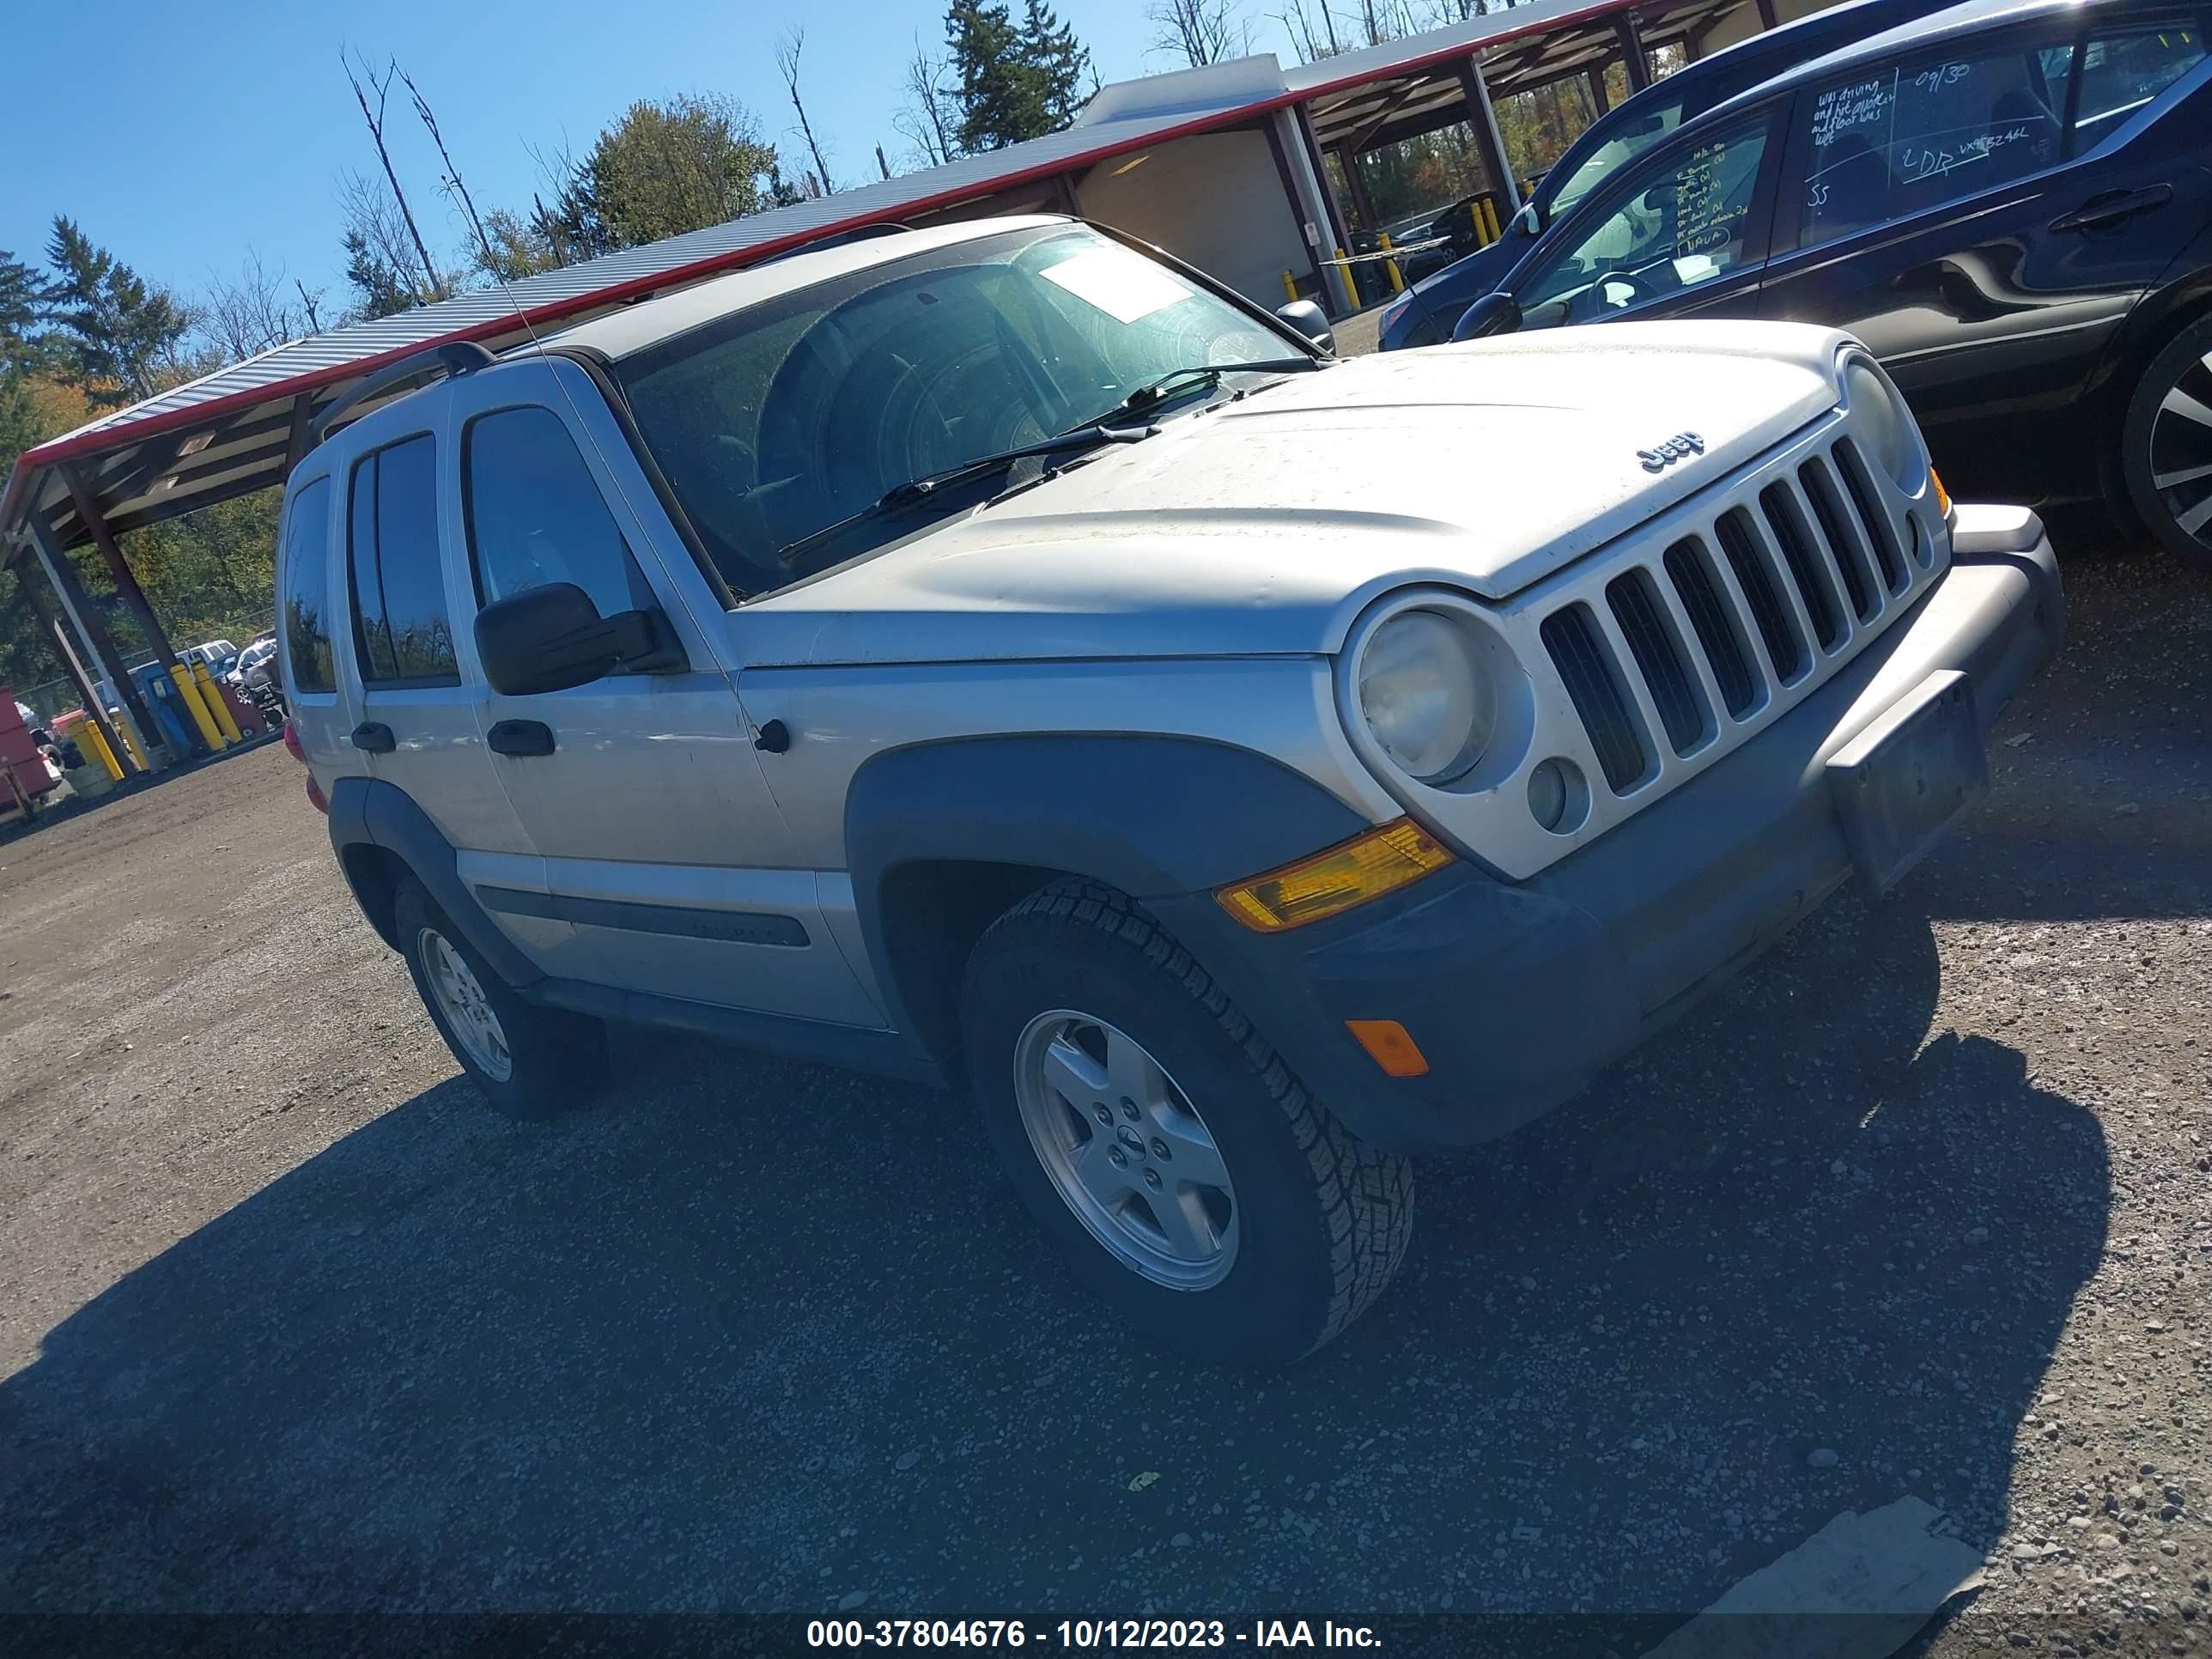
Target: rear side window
[[535, 514], [2122, 71], [307, 589], [1901, 140], [401, 631]]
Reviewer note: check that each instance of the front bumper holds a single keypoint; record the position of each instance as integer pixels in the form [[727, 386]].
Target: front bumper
[[1518, 993]]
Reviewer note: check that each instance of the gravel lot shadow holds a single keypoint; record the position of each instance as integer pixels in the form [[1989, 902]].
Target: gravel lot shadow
[[759, 1336]]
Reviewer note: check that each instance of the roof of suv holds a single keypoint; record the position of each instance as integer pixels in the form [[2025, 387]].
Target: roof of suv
[[652, 321]]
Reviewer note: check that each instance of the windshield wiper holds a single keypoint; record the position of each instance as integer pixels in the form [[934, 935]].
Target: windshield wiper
[[928, 484], [1201, 377]]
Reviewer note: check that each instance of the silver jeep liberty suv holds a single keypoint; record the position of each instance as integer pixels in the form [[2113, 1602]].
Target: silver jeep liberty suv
[[1000, 655]]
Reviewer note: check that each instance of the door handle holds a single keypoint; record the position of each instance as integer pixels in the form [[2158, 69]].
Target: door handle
[[520, 737], [375, 737], [2113, 206]]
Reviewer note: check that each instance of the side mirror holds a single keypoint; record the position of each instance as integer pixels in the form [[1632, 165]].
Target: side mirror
[[552, 637], [1310, 320], [1493, 313], [1529, 222]]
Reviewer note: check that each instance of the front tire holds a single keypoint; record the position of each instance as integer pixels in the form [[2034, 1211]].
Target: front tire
[[528, 1062], [1174, 1162], [2165, 446]]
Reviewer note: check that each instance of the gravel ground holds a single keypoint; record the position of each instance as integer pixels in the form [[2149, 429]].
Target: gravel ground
[[1921, 1205]]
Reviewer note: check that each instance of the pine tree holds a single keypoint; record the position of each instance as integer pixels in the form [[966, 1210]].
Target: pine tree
[[116, 333], [1057, 61], [23, 295], [1012, 81], [379, 289]]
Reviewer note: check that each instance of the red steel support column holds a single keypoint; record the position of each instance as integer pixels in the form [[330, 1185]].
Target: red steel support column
[[118, 567], [57, 636], [78, 605]]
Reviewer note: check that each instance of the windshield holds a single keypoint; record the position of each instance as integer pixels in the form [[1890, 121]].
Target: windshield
[[800, 412]]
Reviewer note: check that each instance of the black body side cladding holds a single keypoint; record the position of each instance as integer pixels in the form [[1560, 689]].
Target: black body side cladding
[[1151, 816], [370, 813]]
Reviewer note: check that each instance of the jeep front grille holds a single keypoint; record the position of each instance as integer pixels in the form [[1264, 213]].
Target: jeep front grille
[[1785, 573]]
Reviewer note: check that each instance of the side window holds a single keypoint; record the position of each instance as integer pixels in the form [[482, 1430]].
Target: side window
[[307, 619], [1914, 136], [2122, 71], [401, 627], [1680, 222], [535, 514]]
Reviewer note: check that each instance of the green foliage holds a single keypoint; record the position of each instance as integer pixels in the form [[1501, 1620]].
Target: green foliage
[[682, 164], [115, 333], [380, 288], [1012, 81]]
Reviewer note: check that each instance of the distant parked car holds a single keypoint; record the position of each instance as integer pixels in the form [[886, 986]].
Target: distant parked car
[[221, 656], [1425, 312], [261, 651], [2011, 204]]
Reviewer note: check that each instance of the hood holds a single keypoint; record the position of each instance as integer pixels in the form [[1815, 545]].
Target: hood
[[1263, 528]]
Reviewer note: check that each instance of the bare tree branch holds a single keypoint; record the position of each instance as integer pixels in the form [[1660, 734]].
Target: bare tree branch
[[452, 182], [1201, 32], [786, 60], [375, 120], [926, 120], [1310, 46], [248, 313]]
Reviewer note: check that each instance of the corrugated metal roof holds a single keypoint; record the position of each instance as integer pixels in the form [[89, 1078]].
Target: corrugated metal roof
[[227, 433]]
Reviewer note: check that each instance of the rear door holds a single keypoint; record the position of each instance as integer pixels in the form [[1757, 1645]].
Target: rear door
[[642, 793], [418, 723], [1985, 218]]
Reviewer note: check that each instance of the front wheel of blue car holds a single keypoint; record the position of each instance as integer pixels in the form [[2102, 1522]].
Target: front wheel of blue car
[[1177, 1166]]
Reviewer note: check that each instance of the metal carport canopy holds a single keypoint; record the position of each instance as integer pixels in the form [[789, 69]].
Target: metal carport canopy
[[241, 429]]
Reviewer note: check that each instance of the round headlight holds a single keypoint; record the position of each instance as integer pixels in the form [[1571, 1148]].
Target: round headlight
[[1424, 695], [1881, 421]]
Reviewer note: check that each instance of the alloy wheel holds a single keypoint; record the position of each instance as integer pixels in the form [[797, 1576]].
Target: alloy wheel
[[1126, 1149], [460, 998], [2181, 452]]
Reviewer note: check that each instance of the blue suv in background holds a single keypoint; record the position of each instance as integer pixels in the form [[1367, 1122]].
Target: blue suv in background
[[1426, 311]]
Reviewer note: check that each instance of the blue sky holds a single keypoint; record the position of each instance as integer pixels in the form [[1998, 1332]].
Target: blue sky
[[180, 135]]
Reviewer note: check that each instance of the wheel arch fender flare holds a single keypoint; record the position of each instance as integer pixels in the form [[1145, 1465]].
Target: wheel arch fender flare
[[1151, 816], [376, 828]]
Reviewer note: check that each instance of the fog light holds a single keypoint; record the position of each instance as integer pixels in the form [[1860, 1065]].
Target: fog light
[[1558, 799]]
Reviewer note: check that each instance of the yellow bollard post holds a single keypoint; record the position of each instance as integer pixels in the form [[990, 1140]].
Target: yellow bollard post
[[211, 694], [1490, 220], [1397, 279], [93, 742], [1289, 288], [130, 740], [1343, 270], [197, 711]]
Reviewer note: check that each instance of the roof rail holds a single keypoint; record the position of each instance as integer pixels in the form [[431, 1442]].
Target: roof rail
[[836, 238], [454, 357]]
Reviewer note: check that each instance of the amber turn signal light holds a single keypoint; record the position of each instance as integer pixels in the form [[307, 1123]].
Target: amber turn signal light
[[1942, 496], [1334, 879]]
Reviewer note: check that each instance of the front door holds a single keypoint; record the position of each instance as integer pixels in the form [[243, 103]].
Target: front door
[[642, 793], [1682, 233], [1985, 219]]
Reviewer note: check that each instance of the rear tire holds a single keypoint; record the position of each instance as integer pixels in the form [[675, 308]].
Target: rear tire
[[1173, 1161], [528, 1062], [2165, 446]]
